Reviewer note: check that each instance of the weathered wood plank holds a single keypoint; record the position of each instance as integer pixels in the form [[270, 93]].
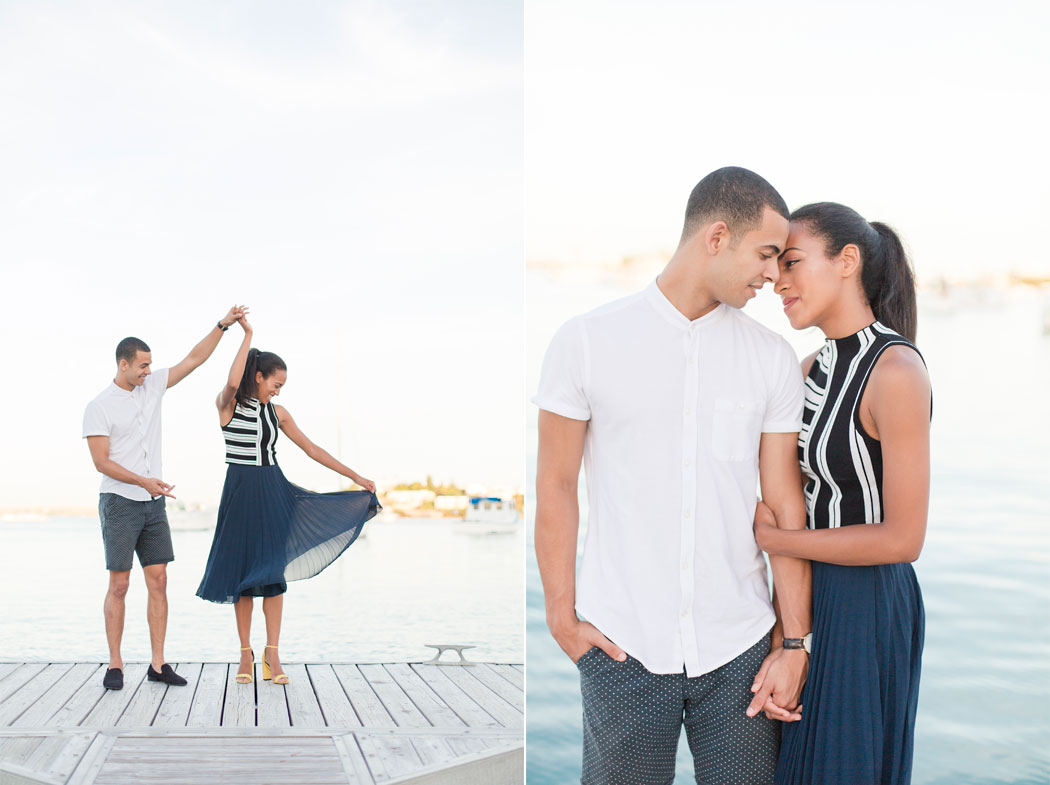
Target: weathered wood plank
[[455, 698], [89, 765], [518, 668], [496, 767], [302, 702], [273, 705], [335, 706], [18, 750], [400, 706], [32, 691], [366, 703], [15, 681], [239, 709], [432, 750], [147, 700], [354, 765], [174, 711], [60, 755], [423, 697], [56, 697], [504, 713], [499, 685], [388, 756], [8, 667], [515, 677], [208, 700], [113, 703], [77, 708]]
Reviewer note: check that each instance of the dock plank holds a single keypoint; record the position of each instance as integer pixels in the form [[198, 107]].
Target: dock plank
[[174, 711], [432, 750], [8, 667], [238, 710], [18, 702], [504, 713], [19, 677], [515, 677], [455, 698], [388, 756], [423, 697], [208, 700], [396, 701], [335, 706], [362, 697], [272, 700], [112, 704], [512, 695], [78, 707], [59, 755], [302, 700], [56, 697]]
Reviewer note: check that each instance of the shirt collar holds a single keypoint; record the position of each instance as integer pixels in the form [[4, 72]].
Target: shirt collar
[[667, 310]]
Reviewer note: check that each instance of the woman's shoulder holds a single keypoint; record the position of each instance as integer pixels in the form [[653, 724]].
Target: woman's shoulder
[[900, 372]]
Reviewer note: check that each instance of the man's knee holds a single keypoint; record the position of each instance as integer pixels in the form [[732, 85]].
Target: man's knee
[[118, 584], [156, 579]]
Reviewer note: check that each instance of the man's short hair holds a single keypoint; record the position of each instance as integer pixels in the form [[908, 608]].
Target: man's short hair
[[129, 348], [734, 195]]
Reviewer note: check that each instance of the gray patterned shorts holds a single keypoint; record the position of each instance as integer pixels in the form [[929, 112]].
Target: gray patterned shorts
[[632, 720], [130, 527]]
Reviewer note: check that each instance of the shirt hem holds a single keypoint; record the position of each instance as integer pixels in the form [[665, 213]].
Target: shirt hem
[[561, 409]]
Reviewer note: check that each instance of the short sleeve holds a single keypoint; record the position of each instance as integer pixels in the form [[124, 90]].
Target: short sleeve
[[95, 421], [156, 383], [562, 379], [784, 408]]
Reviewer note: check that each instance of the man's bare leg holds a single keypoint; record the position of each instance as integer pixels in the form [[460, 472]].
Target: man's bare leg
[[113, 611], [157, 610]]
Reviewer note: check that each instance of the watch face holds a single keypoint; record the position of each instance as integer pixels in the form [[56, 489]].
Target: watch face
[[807, 642]]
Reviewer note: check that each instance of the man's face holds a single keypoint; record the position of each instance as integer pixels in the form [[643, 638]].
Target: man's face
[[136, 371], [741, 269]]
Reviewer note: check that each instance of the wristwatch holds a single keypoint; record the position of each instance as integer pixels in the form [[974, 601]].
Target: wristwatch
[[219, 325], [799, 643]]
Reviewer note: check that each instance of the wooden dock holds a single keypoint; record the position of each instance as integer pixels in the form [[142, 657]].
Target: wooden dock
[[345, 723]]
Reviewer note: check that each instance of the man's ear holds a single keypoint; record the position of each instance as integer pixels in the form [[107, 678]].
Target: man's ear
[[716, 237]]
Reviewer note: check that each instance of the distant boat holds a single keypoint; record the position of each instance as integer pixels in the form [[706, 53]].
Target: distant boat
[[491, 509]]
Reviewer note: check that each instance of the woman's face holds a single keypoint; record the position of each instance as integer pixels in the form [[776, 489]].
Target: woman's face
[[810, 283], [266, 387]]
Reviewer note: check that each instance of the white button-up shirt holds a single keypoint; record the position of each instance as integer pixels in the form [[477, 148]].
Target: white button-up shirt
[[131, 420], [670, 570]]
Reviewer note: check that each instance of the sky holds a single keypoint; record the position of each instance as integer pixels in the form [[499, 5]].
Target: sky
[[350, 170], [930, 116]]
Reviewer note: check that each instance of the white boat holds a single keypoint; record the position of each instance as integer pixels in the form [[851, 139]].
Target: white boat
[[491, 509]]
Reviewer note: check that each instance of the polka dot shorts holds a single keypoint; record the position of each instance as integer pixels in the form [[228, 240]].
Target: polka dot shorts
[[632, 720]]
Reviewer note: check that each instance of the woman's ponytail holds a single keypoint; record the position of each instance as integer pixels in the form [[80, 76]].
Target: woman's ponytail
[[886, 275]]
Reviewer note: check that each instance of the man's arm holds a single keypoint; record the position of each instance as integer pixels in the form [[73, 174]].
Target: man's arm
[[99, 447], [783, 673], [561, 442], [202, 351]]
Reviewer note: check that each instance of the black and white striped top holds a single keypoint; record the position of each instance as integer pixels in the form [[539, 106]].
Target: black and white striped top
[[251, 436], [843, 463]]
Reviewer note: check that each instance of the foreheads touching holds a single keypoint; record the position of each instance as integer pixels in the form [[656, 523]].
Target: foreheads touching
[[734, 202]]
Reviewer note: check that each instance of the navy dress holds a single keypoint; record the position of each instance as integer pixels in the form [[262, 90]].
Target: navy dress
[[270, 531], [859, 701]]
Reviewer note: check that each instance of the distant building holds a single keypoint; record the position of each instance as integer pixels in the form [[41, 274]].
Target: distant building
[[456, 503], [409, 498]]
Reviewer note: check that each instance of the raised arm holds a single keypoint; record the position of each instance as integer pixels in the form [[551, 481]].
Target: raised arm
[[228, 396], [782, 675], [202, 351], [898, 401], [561, 442], [99, 447], [318, 454]]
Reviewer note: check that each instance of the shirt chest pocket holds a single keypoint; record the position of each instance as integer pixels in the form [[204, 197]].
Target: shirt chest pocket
[[736, 429]]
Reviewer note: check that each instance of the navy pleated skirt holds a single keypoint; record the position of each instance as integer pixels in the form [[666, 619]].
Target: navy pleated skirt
[[859, 702], [270, 532]]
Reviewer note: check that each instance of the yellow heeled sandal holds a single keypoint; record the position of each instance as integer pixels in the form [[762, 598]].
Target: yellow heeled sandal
[[281, 678], [246, 678]]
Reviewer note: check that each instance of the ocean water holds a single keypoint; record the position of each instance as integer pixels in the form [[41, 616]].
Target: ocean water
[[984, 705], [403, 584]]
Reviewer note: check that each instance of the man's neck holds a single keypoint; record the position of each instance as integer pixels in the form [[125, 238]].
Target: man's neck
[[683, 284], [122, 384]]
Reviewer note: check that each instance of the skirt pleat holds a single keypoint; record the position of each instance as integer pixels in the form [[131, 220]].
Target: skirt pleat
[[859, 701], [270, 531]]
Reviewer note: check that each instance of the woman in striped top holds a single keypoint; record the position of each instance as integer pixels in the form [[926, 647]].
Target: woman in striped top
[[865, 453], [270, 531]]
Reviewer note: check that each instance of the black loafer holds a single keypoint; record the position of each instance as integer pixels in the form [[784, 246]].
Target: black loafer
[[114, 679], [167, 675]]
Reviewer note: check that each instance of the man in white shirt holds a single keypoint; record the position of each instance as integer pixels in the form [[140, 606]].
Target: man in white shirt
[[677, 403], [123, 429]]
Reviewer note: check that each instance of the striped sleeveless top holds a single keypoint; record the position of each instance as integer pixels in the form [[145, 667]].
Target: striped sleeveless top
[[842, 462], [251, 436]]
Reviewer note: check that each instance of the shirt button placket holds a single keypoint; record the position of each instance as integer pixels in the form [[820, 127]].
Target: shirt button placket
[[687, 631]]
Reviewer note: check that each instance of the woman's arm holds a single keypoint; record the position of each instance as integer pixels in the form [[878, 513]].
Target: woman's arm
[[318, 454], [898, 400], [225, 401]]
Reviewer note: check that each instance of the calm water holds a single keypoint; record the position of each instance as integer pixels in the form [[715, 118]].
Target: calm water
[[984, 707], [404, 584]]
